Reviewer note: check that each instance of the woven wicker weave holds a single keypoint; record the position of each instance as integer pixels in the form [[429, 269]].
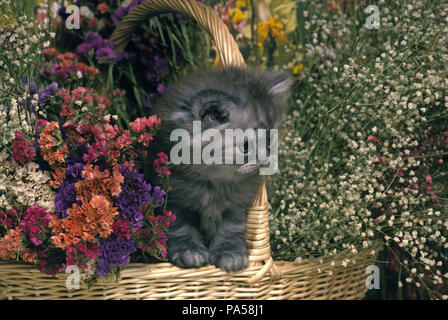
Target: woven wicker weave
[[263, 279]]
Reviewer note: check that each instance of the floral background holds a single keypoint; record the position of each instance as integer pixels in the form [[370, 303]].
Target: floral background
[[363, 153]]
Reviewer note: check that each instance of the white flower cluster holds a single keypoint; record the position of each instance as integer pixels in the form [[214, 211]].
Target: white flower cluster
[[363, 154], [24, 186], [21, 48]]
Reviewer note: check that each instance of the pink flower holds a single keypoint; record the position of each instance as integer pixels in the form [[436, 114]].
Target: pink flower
[[63, 93], [22, 151], [372, 138], [145, 138], [152, 121], [62, 74], [428, 179], [111, 131], [78, 93], [160, 164], [67, 111], [124, 140], [138, 125], [40, 123], [32, 223], [90, 156]]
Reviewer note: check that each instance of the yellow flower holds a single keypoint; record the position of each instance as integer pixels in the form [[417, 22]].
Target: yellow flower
[[274, 27], [240, 4], [297, 68], [263, 31], [237, 15]]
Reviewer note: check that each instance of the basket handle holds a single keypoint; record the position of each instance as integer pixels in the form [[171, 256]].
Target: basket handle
[[257, 230], [226, 46]]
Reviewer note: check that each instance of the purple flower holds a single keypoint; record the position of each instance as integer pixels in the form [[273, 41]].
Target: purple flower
[[73, 172], [115, 252], [106, 54], [101, 48], [46, 93], [120, 12], [76, 153], [156, 67], [84, 48], [135, 192], [158, 195], [64, 198], [161, 88], [91, 37]]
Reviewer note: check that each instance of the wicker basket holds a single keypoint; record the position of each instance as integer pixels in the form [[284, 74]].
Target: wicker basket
[[326, 278]]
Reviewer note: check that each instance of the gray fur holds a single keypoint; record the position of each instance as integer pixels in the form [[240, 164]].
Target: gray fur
[[210, 201]]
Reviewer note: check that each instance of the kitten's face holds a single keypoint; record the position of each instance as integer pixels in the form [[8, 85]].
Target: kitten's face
[[235, 99]]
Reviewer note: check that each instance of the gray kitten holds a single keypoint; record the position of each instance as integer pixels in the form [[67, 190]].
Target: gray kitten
[[210, 201]]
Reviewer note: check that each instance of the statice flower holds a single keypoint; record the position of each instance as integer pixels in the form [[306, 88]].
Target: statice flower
[[115, 252], [64, 198], [23, 186], [35, 219], [120, 12], [155, 68], [76, 153], [135, 193], [45, 93], [158, 195], [22, 151], [102, 49], [66, 194]]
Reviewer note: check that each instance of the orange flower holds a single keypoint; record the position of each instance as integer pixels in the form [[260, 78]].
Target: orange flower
[[87, 69], [96, 182], [48, 142], [51, 52], [28, 256], [58, 174], [102, 7], [84, 223], [11, 244]]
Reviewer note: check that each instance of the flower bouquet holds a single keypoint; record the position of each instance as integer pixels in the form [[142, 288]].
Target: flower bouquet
[[73, 189], [103, 210]]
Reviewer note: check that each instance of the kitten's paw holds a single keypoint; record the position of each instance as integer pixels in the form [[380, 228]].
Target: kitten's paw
[[188, 257], [229, 260]]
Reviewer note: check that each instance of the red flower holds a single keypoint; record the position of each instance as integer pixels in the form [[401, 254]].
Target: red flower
[[22, 151], [51, 52], [160, 164], [145, 138], [67, 111]]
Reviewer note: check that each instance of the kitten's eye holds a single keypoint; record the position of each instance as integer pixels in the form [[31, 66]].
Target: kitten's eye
[[246, 147], [214, 111]]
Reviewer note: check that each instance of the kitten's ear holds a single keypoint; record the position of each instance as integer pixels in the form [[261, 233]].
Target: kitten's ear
[[280, 83]]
